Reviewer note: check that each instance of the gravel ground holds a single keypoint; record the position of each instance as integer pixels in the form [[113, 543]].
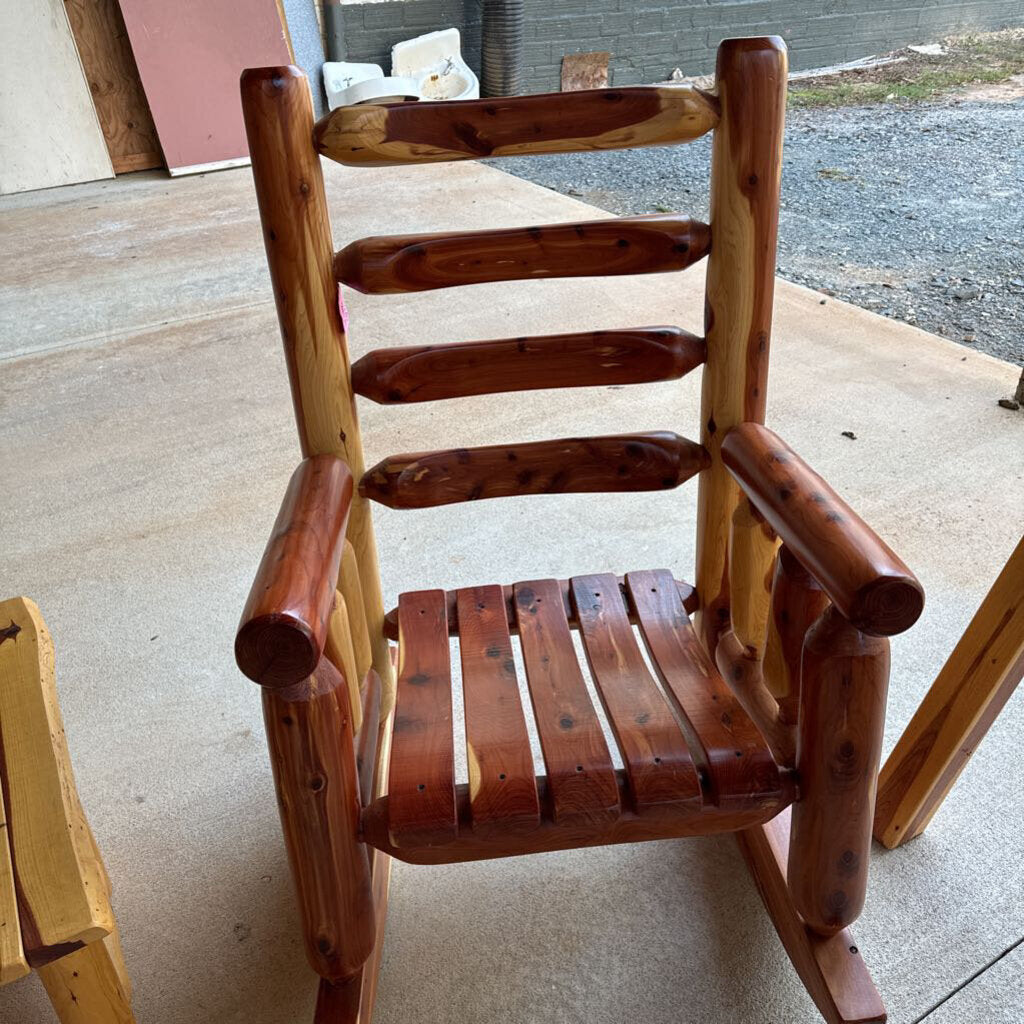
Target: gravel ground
[[915, 211]]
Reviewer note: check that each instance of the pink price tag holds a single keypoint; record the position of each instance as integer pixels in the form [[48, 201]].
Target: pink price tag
[[342, 310]]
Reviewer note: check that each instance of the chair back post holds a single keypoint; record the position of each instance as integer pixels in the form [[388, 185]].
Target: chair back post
[[297, 233], [746, 173]]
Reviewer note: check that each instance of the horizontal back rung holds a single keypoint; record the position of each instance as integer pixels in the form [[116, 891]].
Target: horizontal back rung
[[427, 132], [655, 243], [687, 595], [427, 373], [620, 462]]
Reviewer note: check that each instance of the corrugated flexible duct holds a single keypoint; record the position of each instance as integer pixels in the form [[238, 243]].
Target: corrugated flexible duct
[[502, 58]]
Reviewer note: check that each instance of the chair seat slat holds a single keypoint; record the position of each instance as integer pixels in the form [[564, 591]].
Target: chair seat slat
[[726, 743], [502, 784], [581, 779], [655, 753], [421, 780]]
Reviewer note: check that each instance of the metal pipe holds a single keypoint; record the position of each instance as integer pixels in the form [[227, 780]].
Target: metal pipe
[[502, 48]]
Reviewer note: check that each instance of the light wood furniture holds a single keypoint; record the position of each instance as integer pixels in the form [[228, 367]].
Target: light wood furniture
[[55, 914], [771, 697], [975, 683]]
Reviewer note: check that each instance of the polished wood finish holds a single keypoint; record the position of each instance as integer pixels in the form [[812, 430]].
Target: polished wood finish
[[427, 373], [650, 244], [752, 547], [659, 821], [696, 723], [862, 575], [797, 602], [351, 1001], [285, 622], [338, 647], [581, 779], [297, 233], [502, 783], [831, 968], [727, 746], [702, 753], [309, 730], [743, 670], [657, 759], [379, 135], [368, 738], [975, 683], [352, 591], [620, 462], [844, 681], [687, 595], [746, 172], [422, 771]]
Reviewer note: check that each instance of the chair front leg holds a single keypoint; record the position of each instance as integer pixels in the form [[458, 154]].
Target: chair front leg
[[309, 730], [844, 681]]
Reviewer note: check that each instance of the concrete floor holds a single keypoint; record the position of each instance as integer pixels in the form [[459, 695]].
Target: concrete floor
[[148, 438]]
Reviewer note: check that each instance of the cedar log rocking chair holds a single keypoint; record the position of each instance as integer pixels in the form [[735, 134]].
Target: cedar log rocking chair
[[795, 596]]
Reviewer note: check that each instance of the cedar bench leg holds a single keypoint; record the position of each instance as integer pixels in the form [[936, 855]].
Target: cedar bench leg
[[86, 986], [975, 683]]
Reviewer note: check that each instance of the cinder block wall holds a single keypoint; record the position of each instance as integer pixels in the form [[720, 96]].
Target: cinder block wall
[[648, 39]]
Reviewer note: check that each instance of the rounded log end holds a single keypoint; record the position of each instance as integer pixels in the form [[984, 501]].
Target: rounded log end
[[274, 78], [742, 45], [277, 650], [887, 605]]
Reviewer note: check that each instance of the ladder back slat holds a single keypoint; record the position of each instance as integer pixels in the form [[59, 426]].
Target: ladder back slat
[[649, 244], [428, 373], [502, 783], [379, 135], [655, 753], [726, 743], [619, 462], [581, 780], [421, 781]]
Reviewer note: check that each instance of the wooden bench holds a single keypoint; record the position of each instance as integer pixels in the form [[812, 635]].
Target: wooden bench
[[55, 914]]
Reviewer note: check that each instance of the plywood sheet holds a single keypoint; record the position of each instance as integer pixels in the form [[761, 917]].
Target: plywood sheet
[[49, 133], [190, 55], [113, 79]]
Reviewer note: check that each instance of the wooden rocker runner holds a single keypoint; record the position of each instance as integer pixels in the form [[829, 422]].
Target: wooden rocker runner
[[55, 915], [766, 683]]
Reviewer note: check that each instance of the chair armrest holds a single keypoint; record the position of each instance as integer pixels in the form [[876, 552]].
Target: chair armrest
[[284, 626], [866, 581]]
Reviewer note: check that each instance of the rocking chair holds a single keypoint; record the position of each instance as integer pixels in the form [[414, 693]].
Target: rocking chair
[[772, 696]]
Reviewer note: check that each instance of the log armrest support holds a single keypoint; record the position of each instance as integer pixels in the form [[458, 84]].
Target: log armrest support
[[284, 626], [866, 581]]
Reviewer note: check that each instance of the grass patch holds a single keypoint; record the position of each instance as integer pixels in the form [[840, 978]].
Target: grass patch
[[969, 60]]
